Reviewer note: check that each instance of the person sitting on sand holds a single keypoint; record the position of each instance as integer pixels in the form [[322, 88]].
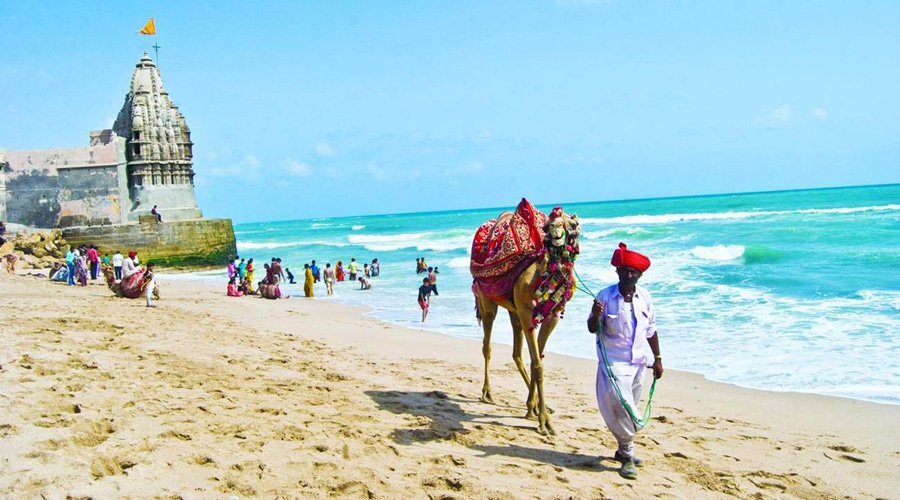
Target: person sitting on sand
[[11, 262], [233, 289], [424, 297], [246, 286], [624, 320]]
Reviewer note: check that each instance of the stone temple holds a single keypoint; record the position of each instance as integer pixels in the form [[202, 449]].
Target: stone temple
[[103, 193]]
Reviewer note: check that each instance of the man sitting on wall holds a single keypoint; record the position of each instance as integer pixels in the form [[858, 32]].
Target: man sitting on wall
[[155, 212]]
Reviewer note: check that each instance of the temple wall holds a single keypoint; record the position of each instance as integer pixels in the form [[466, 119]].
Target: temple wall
[[182, 243], [89, 196], [176, 202]]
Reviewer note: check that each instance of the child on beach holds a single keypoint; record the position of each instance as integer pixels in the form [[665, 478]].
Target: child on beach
[[424, 297], [149, 284], [364, 283]]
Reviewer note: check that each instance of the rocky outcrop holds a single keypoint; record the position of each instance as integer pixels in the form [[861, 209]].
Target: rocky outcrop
[[36, 250]]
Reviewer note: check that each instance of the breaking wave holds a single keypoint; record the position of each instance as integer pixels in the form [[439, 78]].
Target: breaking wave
[[453, 239], [669, 218]]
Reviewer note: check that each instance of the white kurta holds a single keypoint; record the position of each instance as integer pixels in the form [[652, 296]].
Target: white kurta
[[625, 328]]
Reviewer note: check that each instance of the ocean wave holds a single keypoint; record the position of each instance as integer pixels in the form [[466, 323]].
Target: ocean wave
[[453, 239], [318, 225], [357, 227], [629, 231], [262, 245], [459, 262], [669, 218], [718, 252]]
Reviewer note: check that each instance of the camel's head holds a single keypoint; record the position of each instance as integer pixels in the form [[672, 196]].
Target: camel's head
[[108, 275], [561, 228]]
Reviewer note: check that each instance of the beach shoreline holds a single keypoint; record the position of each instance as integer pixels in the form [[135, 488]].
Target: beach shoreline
[[209, 394]]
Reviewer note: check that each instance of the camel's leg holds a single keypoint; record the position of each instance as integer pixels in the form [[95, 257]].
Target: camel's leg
[[488, 310], [546, 329], [537, 374], [517, 346]]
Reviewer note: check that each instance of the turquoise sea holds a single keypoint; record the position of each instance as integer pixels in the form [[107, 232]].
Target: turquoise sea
[[792, 290]]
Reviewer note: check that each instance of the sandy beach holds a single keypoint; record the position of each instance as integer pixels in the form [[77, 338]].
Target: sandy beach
[[208, 396]]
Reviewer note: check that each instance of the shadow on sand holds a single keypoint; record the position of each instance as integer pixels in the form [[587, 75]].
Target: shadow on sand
[[445, 417]]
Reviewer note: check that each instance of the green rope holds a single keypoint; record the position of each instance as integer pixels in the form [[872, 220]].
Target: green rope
[[639, 421]]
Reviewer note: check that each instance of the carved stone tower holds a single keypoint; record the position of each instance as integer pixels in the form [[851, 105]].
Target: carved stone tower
[[158, 149]]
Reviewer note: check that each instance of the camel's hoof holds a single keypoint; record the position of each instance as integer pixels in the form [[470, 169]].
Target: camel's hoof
[[550, 410], [530, 415], [486, 398]]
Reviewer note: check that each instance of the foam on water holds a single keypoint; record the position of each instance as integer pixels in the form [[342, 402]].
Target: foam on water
[[669, 218], [719, 252], [436, 241], [263, 245]]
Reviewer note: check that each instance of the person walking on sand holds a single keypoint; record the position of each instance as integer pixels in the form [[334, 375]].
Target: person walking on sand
[[432, 280], [308, 280], [353, 268], [624, 320], [424, 298], [328, 275]]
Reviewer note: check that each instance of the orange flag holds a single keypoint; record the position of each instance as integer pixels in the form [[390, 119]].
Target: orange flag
[[149, 28]]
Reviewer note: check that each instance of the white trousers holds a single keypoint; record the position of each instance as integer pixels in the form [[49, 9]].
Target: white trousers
[[149, 290], [630, 380]]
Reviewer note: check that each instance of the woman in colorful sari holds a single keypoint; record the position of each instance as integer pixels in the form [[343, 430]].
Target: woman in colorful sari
[[339, 271], [233, 289], [248, 272], [81, 269], [308, 281]]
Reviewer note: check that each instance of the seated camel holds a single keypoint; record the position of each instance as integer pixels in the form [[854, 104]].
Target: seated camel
[[131, 288]]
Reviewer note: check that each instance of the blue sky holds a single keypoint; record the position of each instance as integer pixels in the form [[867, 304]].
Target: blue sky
[[312, 109]]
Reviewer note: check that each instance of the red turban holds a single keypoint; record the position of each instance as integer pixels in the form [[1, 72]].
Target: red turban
[[623, 257], [132, 254]]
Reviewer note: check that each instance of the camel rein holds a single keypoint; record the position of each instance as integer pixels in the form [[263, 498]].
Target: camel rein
[[640, 421]]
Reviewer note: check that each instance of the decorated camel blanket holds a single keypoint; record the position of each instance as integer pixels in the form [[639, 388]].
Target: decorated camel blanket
[[505, 246]]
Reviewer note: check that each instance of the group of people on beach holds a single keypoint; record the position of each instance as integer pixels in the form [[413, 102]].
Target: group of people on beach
[[240, 277]]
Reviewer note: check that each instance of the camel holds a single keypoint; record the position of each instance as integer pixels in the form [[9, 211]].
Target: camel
[[560, 248], [117, 288]]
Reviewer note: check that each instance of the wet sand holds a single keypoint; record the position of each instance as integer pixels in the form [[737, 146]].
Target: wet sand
[[208, 396]]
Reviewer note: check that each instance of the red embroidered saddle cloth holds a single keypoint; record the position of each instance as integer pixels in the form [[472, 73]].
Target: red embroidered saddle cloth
[[504, 247]]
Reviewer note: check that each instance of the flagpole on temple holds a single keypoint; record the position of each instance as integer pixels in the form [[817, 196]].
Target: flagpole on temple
[[150, 29]]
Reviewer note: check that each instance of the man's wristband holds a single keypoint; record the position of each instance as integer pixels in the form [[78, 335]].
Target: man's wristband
[[659, 356]]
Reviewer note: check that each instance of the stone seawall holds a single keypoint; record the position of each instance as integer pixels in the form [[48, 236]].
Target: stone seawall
[[199, 242]]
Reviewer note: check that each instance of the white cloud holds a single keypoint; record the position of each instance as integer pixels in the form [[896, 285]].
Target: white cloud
[[325, 149], [782, 115], [247, 167], [820, 114], [298, 169], [377, 173]]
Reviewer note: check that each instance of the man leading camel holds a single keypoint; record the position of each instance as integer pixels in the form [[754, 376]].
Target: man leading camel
[[629, 336]]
